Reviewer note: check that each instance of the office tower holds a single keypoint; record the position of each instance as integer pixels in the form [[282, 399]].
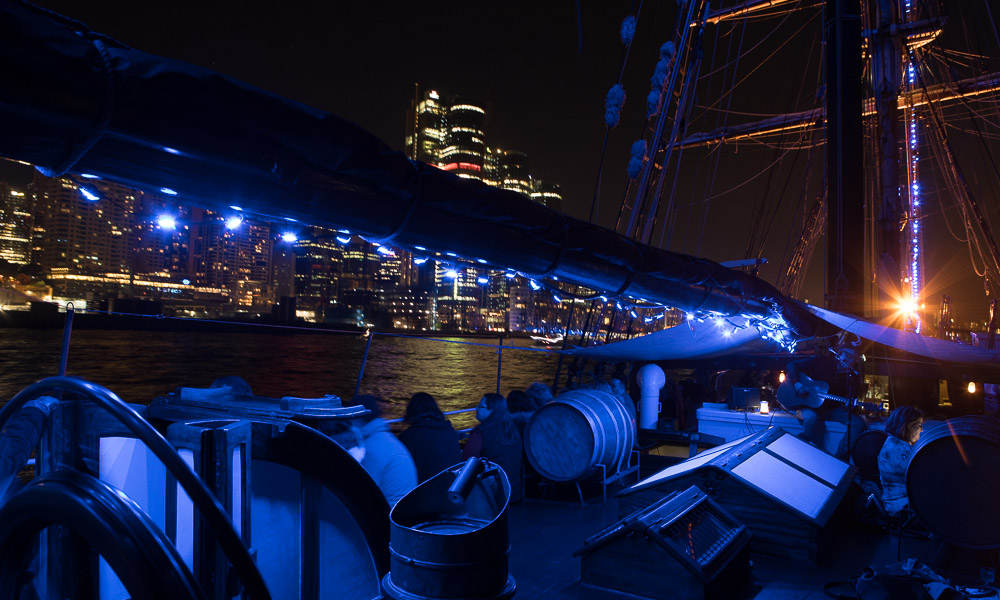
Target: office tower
[[464, 153], [426, 127], [546, 194], [224, 252], [15, 223], [508, 169], [283, 270], [161, 239], [82, 226], [319, 259]]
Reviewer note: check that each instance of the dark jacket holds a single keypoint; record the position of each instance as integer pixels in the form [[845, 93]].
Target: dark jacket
[[433, 444], [497, 439]]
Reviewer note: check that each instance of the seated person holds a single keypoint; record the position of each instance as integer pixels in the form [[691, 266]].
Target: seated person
[[384, 457], [497, 439], [903, 427], [430, 438], [521, 408], [540, 394]]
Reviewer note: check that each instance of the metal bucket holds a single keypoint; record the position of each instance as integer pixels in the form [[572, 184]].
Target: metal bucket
[[953, 481], [569, 437], [449, 536]]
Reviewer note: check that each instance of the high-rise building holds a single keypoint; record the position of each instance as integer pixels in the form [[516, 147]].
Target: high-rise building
[[318, 263], [464, 153], [361, 265], [283, 271], [15, 223], [427, 128], [546, 194], [451, 134], [82, 226], [508, 169], [161, 239], [225, 252]]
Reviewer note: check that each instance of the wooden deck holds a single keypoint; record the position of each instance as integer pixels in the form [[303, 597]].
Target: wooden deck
[[544, 535]]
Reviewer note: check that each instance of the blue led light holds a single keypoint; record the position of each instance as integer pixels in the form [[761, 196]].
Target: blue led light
[[690, 317], [291, 220], [419, 261], [604, 299], [482, 280], [633, 313], [89, 176], [386, 251], [510, 275], [344, 231], [234, 222], [420, 248], [289, 236], [89, 195], [166, 222], [343, 240], [234, 207], [186, 281], [557, 298], [451, 274], [168, 191], [170, 150], [450, 254], [481, 261], [534, 285]]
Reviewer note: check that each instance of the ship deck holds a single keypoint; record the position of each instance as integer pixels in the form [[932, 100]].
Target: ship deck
[[545, 533]]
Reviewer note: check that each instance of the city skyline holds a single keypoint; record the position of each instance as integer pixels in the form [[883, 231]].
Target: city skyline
[[99, 244]]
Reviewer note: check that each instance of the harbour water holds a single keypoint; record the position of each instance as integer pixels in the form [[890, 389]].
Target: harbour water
[[139, 365]]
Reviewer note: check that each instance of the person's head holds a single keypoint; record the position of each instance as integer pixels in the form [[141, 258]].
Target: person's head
[[422, 405], [490, 404], [905, 423], [371, 403], [518, 401], [539, 393]]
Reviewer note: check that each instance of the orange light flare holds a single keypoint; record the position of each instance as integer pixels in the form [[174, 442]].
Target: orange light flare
[[958, 443]]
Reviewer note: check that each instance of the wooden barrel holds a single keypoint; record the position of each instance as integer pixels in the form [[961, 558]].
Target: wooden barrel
[[953, 480], [569, 437]]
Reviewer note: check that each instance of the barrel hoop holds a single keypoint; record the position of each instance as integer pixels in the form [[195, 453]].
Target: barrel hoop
[[440, 566], [600, 442]]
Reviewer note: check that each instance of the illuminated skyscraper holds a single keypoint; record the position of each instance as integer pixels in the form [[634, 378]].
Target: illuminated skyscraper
[[546, 194], [464, 153], [508, 169], [318, 262], [426, 129], [15, 224], [82, 226]]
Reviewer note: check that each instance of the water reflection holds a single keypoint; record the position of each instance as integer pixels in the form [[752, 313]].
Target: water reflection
[[138, 365]]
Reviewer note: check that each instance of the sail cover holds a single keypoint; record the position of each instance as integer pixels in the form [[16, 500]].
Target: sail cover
[[74, 101], [693, 340], [907, 341], [712, 339]]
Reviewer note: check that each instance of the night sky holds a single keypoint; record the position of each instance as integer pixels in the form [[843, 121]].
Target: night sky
[[542, 69]]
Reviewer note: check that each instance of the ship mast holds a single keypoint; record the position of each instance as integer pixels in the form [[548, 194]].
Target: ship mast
[[845, 237]]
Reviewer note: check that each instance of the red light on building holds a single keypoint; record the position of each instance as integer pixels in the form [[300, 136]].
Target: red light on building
[[449, 167]]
